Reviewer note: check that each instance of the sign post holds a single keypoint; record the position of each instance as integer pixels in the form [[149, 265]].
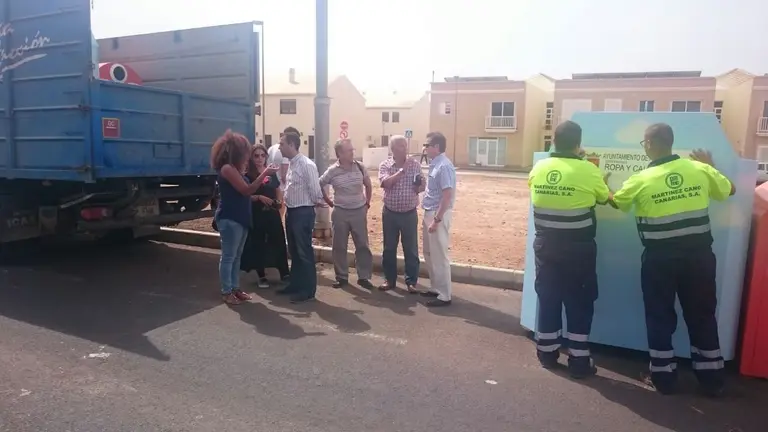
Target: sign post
[[408, 136], [344, 130]]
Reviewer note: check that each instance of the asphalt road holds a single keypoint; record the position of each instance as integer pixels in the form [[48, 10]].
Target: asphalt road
[[135, 339]]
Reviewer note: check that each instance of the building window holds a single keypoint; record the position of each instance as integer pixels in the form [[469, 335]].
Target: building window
[[549, 115], [287, 106], [395, 117], [385, 117], [686, 106], [762, 153], [547, 142], [765, 109], [488, 151], [502, 109], [719, 110], [646, 106], [445, 108]]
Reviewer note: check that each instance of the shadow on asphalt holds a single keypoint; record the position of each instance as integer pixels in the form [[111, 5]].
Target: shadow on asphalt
[[742, 409], [111, 295]]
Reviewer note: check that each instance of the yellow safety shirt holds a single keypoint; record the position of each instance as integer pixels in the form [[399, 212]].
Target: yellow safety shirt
[[671, 201], [564, 191]]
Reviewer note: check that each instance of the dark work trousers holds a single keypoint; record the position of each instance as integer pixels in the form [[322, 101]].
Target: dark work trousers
[[691, 275], [400, 227], [565, 276], [299, 224]]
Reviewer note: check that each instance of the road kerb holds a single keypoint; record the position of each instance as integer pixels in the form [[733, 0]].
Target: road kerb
[[460, 273]]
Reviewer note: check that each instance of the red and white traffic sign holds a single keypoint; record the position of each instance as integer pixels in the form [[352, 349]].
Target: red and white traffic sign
[[344, 125], [343, 134]]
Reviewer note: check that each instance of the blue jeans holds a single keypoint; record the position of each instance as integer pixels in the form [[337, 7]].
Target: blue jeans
[[400, 227], [299, 224], [233, 236]]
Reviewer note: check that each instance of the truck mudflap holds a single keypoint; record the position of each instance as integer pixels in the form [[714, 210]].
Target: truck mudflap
[[19, 218]]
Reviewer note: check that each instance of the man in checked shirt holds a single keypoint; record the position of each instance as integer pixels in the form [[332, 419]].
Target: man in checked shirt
[[401, 180]]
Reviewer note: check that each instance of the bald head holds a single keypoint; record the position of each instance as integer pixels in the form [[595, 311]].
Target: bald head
[[398, 145]]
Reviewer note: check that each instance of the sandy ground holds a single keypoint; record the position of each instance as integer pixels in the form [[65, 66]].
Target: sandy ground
[[489, 223]]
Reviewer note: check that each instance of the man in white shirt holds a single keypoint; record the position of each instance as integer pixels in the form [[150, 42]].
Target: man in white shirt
[[275, 157], [302, 194]]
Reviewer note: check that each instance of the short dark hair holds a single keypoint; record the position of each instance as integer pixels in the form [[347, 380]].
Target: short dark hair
[[567, 136], [291, 129], [660, 134], [293, 139], [437, 139]]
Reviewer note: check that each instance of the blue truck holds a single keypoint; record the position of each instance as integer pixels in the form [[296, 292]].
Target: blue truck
[[83, 155]]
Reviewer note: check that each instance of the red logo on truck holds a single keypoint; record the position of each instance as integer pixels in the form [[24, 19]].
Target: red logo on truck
[[110, 127]]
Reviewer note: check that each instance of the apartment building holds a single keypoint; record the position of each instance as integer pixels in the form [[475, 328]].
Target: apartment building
[[746, 120], [397, 113], [366, 119], [491, 122], [685, 91]]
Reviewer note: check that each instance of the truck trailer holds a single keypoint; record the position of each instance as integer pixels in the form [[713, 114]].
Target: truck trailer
[[80, 154]]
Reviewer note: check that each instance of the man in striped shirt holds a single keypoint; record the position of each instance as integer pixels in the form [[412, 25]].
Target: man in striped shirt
[[302, 194], [351, 200]]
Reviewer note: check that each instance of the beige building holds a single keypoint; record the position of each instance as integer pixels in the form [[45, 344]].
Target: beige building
[[746, 119], [492, 122], [395, 114], [635, 91], [288, 100]]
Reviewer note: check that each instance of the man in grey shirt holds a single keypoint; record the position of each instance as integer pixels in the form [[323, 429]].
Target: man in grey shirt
[[351, 199]]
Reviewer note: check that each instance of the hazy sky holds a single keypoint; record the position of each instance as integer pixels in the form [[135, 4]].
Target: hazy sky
[[388, 44]]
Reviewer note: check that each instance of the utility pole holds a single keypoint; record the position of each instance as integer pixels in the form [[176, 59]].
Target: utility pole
[[322, 110]]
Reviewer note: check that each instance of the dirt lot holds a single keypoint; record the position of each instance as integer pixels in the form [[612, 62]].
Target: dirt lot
[[489, 223]]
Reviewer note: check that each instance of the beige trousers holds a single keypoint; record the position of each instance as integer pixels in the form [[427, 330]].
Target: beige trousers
[[435, 246]]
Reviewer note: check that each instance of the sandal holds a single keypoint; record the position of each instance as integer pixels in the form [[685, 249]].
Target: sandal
[[386, 286], [231, 299], [411, 289], [242, 295]]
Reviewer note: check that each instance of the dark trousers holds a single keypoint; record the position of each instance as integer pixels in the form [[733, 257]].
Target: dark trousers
[[400, 227], [691, 276], [299, 224], [565, 276]]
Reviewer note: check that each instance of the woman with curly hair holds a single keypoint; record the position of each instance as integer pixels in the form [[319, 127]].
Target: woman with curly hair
[[229, 157]]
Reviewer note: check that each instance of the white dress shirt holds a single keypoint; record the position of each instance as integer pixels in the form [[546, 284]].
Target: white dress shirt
[[302, 183]]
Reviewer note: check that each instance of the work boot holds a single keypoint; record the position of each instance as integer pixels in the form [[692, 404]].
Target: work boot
[[581, 367]]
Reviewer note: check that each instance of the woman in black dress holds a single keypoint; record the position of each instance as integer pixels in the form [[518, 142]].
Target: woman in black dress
[[265, 247]]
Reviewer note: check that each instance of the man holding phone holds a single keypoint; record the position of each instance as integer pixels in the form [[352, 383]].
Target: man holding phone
[[401, 180]]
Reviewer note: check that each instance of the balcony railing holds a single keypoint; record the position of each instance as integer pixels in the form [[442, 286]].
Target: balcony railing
[[762, 126], [498, 123]]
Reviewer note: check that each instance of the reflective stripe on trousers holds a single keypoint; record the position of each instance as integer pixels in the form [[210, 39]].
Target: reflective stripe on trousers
[[548, 342]]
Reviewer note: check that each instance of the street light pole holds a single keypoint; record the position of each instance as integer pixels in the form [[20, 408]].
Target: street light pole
[[322, 110]]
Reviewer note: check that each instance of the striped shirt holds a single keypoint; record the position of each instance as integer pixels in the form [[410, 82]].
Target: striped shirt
[[442, 176], [347, 184], [302, 186]]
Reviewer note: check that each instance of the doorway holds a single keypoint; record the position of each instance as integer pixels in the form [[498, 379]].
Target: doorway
[[311, 147]]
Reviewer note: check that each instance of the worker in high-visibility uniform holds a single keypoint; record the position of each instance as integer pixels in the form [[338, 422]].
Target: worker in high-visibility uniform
[[671, 200], [564, 191]]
